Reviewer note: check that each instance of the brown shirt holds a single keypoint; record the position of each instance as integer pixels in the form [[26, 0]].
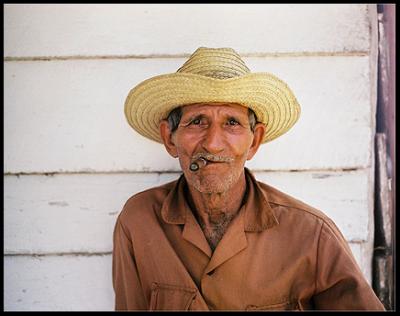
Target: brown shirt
[[277, 254]]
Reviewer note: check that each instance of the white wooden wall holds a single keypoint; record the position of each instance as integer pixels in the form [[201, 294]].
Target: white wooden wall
[[71, 160]]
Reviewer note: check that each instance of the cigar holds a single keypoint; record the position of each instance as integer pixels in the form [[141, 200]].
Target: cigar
[[197, 164]]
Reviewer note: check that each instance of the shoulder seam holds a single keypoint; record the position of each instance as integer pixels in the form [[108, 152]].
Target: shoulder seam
[[322, 217]]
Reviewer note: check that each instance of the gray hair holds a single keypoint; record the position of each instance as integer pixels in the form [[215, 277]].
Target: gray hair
[[174, 117]]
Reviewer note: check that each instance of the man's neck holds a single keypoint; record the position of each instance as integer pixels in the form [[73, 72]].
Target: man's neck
[[214, 211]]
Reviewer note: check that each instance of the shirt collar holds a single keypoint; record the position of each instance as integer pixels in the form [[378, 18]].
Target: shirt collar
[[258, 214]]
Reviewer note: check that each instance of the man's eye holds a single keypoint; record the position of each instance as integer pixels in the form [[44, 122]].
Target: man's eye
[[233, 122], [196, 121]]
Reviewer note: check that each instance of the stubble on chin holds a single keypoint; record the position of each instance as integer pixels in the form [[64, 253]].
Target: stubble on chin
[[213, 184]]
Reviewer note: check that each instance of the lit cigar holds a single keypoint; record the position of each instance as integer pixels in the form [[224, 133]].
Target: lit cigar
[[197, 164]]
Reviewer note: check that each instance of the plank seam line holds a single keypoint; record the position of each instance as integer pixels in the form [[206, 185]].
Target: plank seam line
[[154, 56], [169, 171], [50, 254]]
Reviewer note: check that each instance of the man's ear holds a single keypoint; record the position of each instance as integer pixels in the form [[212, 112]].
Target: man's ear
[[166, 137], [259, 132]]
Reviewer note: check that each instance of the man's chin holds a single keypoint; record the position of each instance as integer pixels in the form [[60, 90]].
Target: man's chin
[[212, 184]]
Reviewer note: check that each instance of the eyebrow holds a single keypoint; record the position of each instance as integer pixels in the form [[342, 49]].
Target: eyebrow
[[195, 116], [191, 118], [228, 116]]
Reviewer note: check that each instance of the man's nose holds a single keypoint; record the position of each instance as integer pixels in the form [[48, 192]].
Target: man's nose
[[213, 141]]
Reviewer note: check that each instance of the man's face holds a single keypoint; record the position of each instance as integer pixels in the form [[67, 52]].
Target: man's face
[[220, 132]]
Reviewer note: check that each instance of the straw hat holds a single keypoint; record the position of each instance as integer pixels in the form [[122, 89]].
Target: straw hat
[[212, 75]]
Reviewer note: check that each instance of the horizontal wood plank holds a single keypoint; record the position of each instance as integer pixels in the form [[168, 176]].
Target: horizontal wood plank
[[147, 29], [58, 283], [67, 116], [77, 213], [67, 283]]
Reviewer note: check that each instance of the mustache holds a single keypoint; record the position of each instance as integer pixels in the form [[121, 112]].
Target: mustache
[[211, 157]]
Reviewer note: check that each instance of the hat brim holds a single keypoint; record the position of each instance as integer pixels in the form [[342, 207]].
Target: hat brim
[[269, 97]]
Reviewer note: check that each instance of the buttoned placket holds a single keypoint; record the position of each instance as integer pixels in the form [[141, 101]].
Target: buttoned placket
[[251, 217]]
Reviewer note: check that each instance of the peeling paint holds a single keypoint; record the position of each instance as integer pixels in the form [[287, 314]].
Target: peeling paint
[[59, 203], [321, 176]]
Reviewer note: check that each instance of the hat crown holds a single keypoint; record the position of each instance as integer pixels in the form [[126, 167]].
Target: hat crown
[[218, 63]]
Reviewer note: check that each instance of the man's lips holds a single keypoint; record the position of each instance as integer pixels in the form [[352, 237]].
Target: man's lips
[[203, 161], [210, 158], [209, 162]]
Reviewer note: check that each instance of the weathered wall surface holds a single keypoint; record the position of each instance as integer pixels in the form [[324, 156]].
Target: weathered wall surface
[[71, 160]]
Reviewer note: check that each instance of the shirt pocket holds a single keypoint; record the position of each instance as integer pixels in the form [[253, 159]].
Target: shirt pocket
[[282, 306], [171, 297]]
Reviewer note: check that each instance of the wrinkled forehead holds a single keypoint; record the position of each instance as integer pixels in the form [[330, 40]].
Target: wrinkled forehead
[[215, 106]]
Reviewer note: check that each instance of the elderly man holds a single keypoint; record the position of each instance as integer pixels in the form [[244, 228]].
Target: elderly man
[[216, 238]]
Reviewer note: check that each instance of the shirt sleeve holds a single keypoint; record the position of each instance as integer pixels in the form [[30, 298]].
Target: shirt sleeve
[[128, 290], [340, 283]]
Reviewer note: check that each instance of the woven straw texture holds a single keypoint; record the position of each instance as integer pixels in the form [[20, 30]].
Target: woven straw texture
[[212, 75]]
